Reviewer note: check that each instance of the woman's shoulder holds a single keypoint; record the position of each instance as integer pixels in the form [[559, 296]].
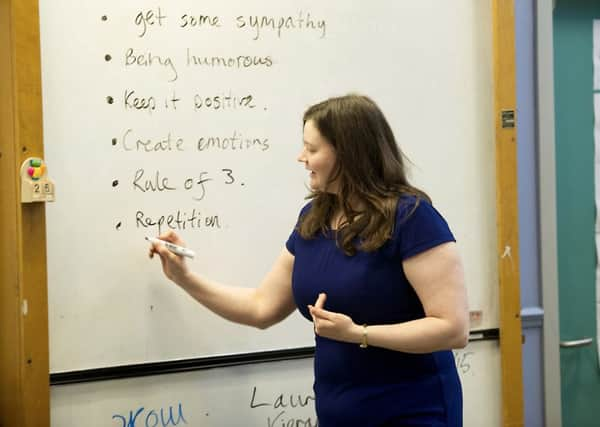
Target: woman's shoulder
[[305, 209], [419, 226], [409, 204], [415, 211]]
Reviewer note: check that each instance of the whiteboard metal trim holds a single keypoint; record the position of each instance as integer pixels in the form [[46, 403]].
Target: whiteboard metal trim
[[547, 205], [195, 364], [181, 365]]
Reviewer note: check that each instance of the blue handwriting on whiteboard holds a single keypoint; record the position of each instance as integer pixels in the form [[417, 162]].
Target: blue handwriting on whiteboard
[[152, 418]]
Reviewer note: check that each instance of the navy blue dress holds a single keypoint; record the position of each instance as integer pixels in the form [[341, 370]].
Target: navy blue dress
[[374, 386]]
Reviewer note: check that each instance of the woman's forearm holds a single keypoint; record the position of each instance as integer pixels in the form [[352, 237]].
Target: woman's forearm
[[237, 304], [424, 335]]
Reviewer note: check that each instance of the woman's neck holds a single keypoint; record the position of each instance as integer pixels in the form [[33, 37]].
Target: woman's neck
[[339, 218]]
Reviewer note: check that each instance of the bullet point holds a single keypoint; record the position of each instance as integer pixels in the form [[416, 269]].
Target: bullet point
[[115, 183], [110, 99], [107, 57], [104, 18], [114, 141]]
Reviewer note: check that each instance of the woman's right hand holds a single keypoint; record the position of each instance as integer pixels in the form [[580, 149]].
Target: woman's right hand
[[174, 266]]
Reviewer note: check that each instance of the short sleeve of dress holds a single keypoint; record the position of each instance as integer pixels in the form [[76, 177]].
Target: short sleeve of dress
[[418, 229], [294, 236]]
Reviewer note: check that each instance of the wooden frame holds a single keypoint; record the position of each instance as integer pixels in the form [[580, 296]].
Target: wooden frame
[[507, 213], [24, 359], [24, 364]]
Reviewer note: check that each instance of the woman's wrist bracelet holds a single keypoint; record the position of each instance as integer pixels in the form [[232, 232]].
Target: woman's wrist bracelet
[[364, 343]]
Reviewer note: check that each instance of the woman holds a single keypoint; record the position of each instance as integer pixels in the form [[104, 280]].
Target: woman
[[376, 269]]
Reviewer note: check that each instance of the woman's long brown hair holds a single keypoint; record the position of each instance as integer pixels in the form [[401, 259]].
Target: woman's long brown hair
[[370, 171]]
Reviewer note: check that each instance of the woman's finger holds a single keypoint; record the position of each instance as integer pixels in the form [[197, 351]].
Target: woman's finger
[[322, 314], [310, 310], [173, 237], [162, 251], [321, 300], [163, 262]]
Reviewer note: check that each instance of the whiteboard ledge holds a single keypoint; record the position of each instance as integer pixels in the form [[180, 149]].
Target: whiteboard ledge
[[184, 365], [174, 366]]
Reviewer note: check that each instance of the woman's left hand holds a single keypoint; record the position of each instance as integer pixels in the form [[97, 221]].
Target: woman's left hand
[[335, 326]]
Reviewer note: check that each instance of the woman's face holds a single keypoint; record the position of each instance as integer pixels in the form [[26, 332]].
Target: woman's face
[[318, 156]]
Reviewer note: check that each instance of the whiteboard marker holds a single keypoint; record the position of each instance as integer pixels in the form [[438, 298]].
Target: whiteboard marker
[[179, 250]]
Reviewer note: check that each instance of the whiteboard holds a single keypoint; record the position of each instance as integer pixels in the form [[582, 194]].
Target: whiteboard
[[216, 106], [270, 394]]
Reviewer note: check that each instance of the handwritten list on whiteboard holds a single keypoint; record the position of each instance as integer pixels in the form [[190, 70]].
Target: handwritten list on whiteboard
[[188, 116]]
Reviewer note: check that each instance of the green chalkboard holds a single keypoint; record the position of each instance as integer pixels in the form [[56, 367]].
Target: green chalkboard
[[574, 109]]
